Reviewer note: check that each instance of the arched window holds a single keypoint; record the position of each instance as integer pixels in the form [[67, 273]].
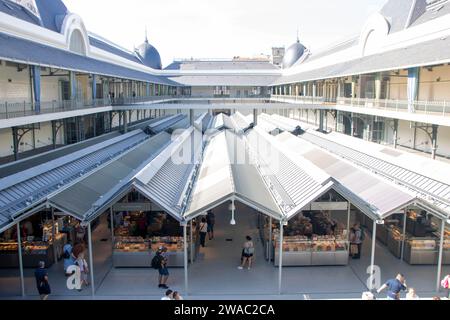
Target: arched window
[[77, 43]]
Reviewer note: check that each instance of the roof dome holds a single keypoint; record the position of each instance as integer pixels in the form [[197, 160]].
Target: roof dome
[[293, 54], [149, 55]]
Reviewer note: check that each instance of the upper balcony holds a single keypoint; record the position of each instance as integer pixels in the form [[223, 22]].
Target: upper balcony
[[434, 112]]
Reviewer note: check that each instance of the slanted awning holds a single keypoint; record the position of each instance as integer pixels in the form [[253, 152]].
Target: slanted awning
[[221, 178], [375, 196], [29, 52], [27, 189], [295, 183], [167, 179], [90, 196]]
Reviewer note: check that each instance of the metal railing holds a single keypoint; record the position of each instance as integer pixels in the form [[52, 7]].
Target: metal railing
[[304, 100], [422, 107], [10, 110], [438, 108]]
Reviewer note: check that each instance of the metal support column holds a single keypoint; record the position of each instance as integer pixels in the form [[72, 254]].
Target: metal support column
[[395, 133], [270, 240], [125, 122], [255, 117], [185, 247], [192, 241], [19, 248], [91, 259], [403, 235], [54, 134], [348, 220], [111, 216], [15, 135], [372, 258], [55, 254], [441, 252], [280, 267], [191, 117], [434, 141]]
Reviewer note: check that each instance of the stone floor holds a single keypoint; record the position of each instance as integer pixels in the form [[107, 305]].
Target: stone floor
[[215, 275]]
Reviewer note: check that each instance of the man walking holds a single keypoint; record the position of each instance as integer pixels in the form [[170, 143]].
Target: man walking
[[42, 284], [160, 262], [395, 287]]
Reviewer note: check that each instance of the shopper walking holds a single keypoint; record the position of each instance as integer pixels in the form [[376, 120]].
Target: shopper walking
[[395, 287], [203, 230], [168, 296], [42, 283], [84, 270], [445, 283], [355, 241], [211, 221], [159, 262], [69, 259], [247, 253]]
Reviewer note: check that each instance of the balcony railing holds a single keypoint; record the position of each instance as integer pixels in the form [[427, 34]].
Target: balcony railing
[[438, 108], [10, 110], [303, 100]]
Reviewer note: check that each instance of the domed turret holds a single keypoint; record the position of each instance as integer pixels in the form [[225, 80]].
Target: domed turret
[[293, 54], [149, 55]]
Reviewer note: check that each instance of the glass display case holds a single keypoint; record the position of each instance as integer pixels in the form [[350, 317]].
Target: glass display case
[[420, 251], [131, 252], [394, 241]]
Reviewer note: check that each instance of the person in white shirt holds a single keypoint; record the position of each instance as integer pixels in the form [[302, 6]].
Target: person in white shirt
[[203, 230], [82, 264], [411, 295], [168, 296]]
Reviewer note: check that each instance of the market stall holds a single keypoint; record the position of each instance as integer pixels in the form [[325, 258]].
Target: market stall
[[38, 244], [310, 239], [139, 236]]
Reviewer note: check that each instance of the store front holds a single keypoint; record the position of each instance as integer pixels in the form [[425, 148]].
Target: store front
[[141, 227]]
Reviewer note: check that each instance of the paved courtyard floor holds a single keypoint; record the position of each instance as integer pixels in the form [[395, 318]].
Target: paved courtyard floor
[[214, 275]]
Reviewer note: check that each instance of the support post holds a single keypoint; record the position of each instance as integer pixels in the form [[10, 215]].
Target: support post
[[395, 133], [372, 258], [15, 135], [434, 141], [403, 235], [55, 254], [111, 216], [270, 239], [441, 252], [94, 89], [125, 122], [348, 220], [191, 117], [54, 134], [37, 88], [280, 266], [186, 282], [91, 259], [19, 248], [255, 117], [192, 241]]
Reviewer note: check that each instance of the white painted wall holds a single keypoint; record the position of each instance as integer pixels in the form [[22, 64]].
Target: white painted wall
[[432, 89], [19, 89]]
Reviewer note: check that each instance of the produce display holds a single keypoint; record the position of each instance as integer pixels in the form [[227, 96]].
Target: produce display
[[35, 248], [423, 244], [172, 244], [9, 247]]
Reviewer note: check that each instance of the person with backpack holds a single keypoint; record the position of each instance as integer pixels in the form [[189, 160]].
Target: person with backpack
[[42, 283], [159, 262], [445, 283], [356, 240], [247, 253], [69, 259], [203, 230]]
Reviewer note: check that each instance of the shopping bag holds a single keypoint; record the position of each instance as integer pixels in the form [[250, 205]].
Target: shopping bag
[[354, 249]]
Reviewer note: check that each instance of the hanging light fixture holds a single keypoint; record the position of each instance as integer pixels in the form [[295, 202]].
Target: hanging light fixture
[[232, 207]]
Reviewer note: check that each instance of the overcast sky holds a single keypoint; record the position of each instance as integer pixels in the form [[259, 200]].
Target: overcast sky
[[225, 28]]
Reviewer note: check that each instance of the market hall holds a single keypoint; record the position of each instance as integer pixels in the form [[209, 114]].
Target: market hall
[[134, 179]]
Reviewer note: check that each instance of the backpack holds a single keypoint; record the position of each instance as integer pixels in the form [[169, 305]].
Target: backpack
[[156, 261], [66, 255], [249, 250], [363, 234]]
